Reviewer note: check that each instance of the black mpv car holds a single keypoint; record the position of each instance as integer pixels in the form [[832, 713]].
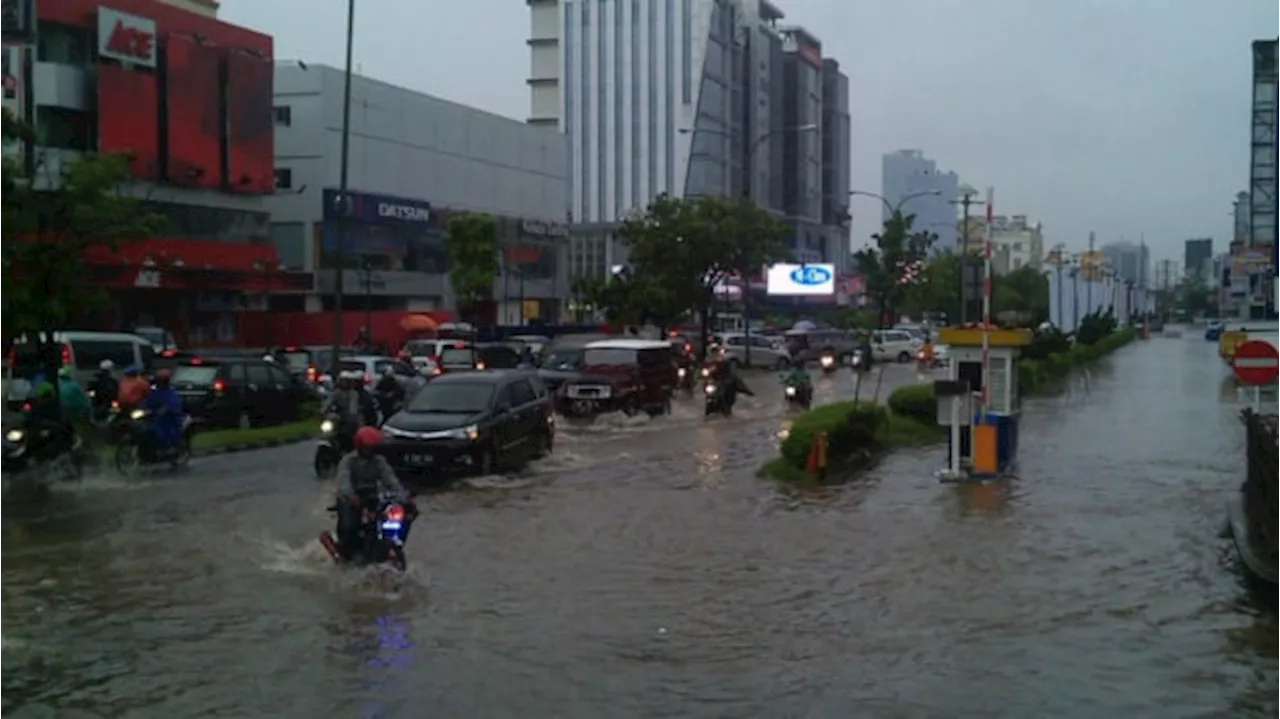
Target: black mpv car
[[471, 420]]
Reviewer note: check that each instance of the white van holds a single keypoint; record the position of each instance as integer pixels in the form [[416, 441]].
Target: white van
[[83, 351]]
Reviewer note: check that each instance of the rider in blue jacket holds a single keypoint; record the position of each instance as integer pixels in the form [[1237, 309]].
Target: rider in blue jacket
[[165, 409]]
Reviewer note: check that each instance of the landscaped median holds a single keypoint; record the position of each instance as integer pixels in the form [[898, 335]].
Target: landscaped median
[[219, 441], [858, 432]]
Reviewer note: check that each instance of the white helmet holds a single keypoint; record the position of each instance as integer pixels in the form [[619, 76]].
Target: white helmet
[[269, 359], [389, 371], [106, 365]]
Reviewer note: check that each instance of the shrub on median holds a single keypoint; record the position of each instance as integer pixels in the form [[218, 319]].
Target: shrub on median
[[851, 429], [916, 402]]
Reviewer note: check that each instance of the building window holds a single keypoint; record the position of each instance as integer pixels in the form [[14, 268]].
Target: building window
[[283, 115], [64, 129], [290, 239], [284, 178], [66, 44]]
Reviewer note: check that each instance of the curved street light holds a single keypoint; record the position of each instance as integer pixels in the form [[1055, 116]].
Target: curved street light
[[895, 209]]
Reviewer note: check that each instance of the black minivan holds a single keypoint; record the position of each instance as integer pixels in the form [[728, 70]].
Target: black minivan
[[471, 420], [238, 392]]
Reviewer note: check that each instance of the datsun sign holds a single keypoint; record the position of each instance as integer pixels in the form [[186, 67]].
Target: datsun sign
[[790, 279], [128, 38]]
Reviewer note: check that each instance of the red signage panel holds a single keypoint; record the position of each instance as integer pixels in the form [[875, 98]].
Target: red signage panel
[[251, 128], [1256, 363], [193, 128], [129, 117]]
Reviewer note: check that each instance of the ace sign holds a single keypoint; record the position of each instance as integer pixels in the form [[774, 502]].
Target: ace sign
[[131, 39]]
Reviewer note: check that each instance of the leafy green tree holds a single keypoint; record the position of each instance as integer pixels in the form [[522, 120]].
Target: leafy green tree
[[472, 243], [936, 289], [1023, 293], [682, 249], [897, 249], [48, 228], [630, 299]]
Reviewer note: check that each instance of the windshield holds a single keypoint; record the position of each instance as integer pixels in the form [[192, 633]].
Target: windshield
[[456, 357], [154, 335], [598, 357], [562, 359], [186, 374], [452, 398]]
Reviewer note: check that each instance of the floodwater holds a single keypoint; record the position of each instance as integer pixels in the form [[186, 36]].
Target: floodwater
[[644, 571]]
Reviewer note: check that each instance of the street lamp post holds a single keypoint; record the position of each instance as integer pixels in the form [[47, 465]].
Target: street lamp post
[[894, 210], [344, 204], [966, 201], [367, 271], [1075, 299], [747, 194]]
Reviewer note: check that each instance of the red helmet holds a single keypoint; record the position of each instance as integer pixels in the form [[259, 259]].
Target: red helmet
[[368, 438]]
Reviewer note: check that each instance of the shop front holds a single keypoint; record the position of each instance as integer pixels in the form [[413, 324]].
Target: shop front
[[531, 283]]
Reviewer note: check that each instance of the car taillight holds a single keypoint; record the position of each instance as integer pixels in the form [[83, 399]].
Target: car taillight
[[368, 378], [196, 361], [311, 374], [219, 386], [66, 355], [26, 406]]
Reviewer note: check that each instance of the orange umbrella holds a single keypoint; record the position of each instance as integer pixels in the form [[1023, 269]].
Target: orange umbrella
[[418, 323]]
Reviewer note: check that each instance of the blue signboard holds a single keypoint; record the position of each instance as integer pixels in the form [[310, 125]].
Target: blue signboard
[[378, 209]]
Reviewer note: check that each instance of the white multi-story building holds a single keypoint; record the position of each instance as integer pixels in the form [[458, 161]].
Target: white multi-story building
[[690, 97], [908, 172], [1015, 243]]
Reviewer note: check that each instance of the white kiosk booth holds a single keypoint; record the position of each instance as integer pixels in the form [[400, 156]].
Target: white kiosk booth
[[982, 445]]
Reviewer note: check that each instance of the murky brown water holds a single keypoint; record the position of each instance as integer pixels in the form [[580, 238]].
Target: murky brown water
[[644, 571]]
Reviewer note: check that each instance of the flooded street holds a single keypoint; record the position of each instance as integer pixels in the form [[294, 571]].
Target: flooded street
[[644, 571]]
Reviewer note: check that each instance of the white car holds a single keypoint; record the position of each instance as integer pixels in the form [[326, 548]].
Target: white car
[[766, 351], [894, 346]]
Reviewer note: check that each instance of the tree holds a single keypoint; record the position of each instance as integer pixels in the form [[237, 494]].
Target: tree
[[628, 299], [49, 227], [1023, 294], [682, 249], [897, 251], [472, 243], [936, 288]]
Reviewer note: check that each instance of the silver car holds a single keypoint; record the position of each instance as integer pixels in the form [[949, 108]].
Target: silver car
[[770, 352]]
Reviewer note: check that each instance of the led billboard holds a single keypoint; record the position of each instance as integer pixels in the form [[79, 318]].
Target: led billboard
[[804, 280]]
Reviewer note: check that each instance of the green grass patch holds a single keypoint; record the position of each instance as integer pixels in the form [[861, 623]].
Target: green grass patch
[[902, 431], [220, 438]]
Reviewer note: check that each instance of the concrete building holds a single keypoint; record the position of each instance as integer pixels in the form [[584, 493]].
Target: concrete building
[[1197, 259], [1240, 217], [688, 97], [1132, 262], [1016, 243], [908, 172], [414, 161]]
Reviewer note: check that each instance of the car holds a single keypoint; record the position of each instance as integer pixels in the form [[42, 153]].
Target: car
[[238, 392], [894, 346], [620, 375], [372, 367], [809, 345], [765, 352], [476, 421], [478, 356], [424, 354], [537, 344]]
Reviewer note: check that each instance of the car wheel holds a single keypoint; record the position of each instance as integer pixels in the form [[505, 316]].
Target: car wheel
[[541, 443], [485, 462], [904, 357]]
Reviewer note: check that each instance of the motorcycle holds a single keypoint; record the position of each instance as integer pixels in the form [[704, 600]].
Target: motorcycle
[[717, 399], [684, 378], [704, 373], [860, 363], [26, 448], [138, 447], [382, 536], [828, 363], [799, 395], [333, 444]]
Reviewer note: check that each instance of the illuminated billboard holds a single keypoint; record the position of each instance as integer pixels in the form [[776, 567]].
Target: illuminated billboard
[[801, 280]]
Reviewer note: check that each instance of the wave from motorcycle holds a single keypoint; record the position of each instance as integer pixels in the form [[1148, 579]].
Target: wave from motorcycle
[[380, 538], [140, 448]]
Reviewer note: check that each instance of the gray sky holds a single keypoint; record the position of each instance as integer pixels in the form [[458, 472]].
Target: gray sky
[[1119, 116]]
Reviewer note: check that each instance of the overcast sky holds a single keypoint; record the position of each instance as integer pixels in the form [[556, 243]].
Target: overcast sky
[[1126, 117]]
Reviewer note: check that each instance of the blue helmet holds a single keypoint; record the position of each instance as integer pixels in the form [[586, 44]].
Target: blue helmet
[[132, 371]]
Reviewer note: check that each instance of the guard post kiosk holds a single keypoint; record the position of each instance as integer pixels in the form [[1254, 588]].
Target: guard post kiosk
[[989, 447]]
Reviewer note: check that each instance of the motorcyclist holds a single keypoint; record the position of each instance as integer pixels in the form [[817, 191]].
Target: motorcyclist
[[42, 415], [353, 406], [390, 393], [165, 412], [799, 378], [725, 375], [864, 351], [364, 479], [74, 401], [133, 388], [104, 387]]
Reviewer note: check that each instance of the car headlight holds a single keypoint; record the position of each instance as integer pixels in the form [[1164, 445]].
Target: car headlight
[[791, 391], [470, 433], [681, 372], [14, 435], [827, 360], [326, 427], [138, 414], [706, 372], [709, 389], [480, 365]]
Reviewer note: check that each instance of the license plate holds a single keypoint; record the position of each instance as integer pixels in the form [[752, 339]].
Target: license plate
[[417, 459]]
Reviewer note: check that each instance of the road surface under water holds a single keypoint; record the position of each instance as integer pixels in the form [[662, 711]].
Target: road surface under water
[[644, 571]]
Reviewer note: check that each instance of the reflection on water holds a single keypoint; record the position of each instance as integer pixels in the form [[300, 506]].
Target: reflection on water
[[643, 570]]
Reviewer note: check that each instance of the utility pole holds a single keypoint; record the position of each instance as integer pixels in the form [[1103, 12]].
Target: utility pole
[[965, 202], [344, 203], [1089, 278]]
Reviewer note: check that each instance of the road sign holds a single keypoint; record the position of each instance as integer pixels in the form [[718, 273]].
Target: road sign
[[1256, 363]]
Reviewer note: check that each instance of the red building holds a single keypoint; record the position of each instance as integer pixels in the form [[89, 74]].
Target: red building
[[190, 98]]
